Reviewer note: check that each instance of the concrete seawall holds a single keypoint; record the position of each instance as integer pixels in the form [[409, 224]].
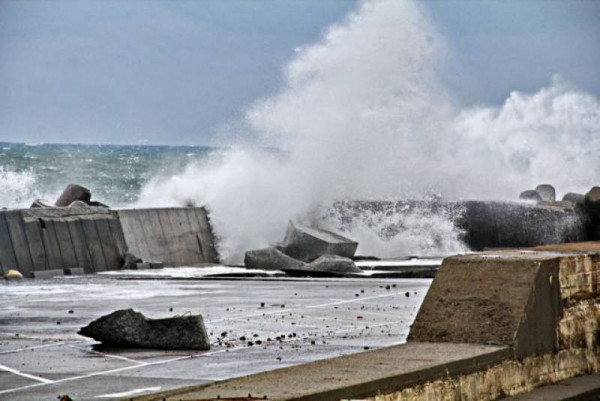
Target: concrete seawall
[[96, 239], [493, 324]]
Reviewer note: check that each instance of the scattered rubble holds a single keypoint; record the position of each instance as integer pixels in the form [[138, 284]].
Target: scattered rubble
[[127, 328]]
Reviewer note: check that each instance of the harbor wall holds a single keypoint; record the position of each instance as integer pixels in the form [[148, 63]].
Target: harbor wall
[[97, 239]]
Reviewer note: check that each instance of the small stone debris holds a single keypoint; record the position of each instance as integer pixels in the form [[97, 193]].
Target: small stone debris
[[170, 309], [71, 311], [407, 294], [243, 338], [224, 334], [262, 304], [387, 287], [282, 305]]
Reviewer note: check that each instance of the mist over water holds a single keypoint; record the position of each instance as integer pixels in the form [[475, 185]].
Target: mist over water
[[363, 115]]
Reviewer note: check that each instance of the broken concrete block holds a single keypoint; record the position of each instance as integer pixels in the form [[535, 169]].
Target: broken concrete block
[[46, 274], [72, 193], [572, 197], [127, 328], [307, 244], [41, 203], [593, 196], [270, 259], [332, 264], [546, 192], [530, 195]]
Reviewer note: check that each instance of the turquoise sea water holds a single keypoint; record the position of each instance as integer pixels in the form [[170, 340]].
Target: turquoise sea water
[[114, 173]]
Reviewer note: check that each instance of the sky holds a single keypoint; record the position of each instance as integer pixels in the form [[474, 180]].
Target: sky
[[183, 72]]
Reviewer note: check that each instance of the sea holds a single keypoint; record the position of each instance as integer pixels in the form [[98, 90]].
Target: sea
[[115, 174]]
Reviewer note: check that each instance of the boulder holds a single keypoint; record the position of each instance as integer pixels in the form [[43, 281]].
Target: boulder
[[530, 195], [593, 196], [326, 266], [41, 203], [307, 244], [127, 328], [270, 259], [546, 192], [572, 197], [72, 193]]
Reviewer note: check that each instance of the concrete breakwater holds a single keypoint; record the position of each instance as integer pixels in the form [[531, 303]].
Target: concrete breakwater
[[486, 224], [96, 239]]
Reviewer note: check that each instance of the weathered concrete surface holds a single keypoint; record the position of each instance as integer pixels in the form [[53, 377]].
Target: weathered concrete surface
[[270, 259], [327, 312], [509, 298], [481, 224], [353, 376], [174, 236], [576, 389], [326, 265], [48, 239], [129, 329], [307, 243]]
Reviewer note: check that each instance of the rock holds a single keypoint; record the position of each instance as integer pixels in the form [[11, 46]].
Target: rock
[[72, 193], [307, 244], [13, 274], [78, 204], [270, 259], [572, 197], [546, 192], [327, 265], [43, 203], [127, 328], [593, 196], [530, 195]]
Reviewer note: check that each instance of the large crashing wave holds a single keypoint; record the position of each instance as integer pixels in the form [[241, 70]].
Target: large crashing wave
[[363, 116]]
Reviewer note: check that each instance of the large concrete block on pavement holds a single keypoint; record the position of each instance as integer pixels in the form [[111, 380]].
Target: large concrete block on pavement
[[509, 298]]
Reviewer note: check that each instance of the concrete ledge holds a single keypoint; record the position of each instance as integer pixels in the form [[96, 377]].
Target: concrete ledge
[[351, 376], [576, 389]]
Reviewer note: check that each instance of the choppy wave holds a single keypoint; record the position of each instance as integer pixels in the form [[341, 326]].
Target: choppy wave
[[363, 115]]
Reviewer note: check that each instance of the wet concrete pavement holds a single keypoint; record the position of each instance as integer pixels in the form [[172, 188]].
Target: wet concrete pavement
[[41, 356]]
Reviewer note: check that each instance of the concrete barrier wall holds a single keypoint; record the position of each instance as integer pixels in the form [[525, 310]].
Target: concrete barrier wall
[[49, 239], [96, 239], [554, 335], [175, 236]]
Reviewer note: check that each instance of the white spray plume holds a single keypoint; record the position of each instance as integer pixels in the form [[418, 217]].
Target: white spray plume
[[363, 116]]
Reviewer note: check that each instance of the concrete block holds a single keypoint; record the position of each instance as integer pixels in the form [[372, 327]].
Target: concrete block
[[20, 245], [112, 256], [93, 244], [307, 244], [47, 274], [156, 265], [510, 298], [60, 229], [74, 271], [547, 192], [80, 247], [72, 193], [7, 254], [33, 232]]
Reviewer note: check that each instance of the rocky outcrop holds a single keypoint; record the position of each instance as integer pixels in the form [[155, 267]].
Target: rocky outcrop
[[127, 328]]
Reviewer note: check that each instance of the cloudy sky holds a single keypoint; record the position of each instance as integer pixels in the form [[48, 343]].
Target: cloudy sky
[[183, 72]]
